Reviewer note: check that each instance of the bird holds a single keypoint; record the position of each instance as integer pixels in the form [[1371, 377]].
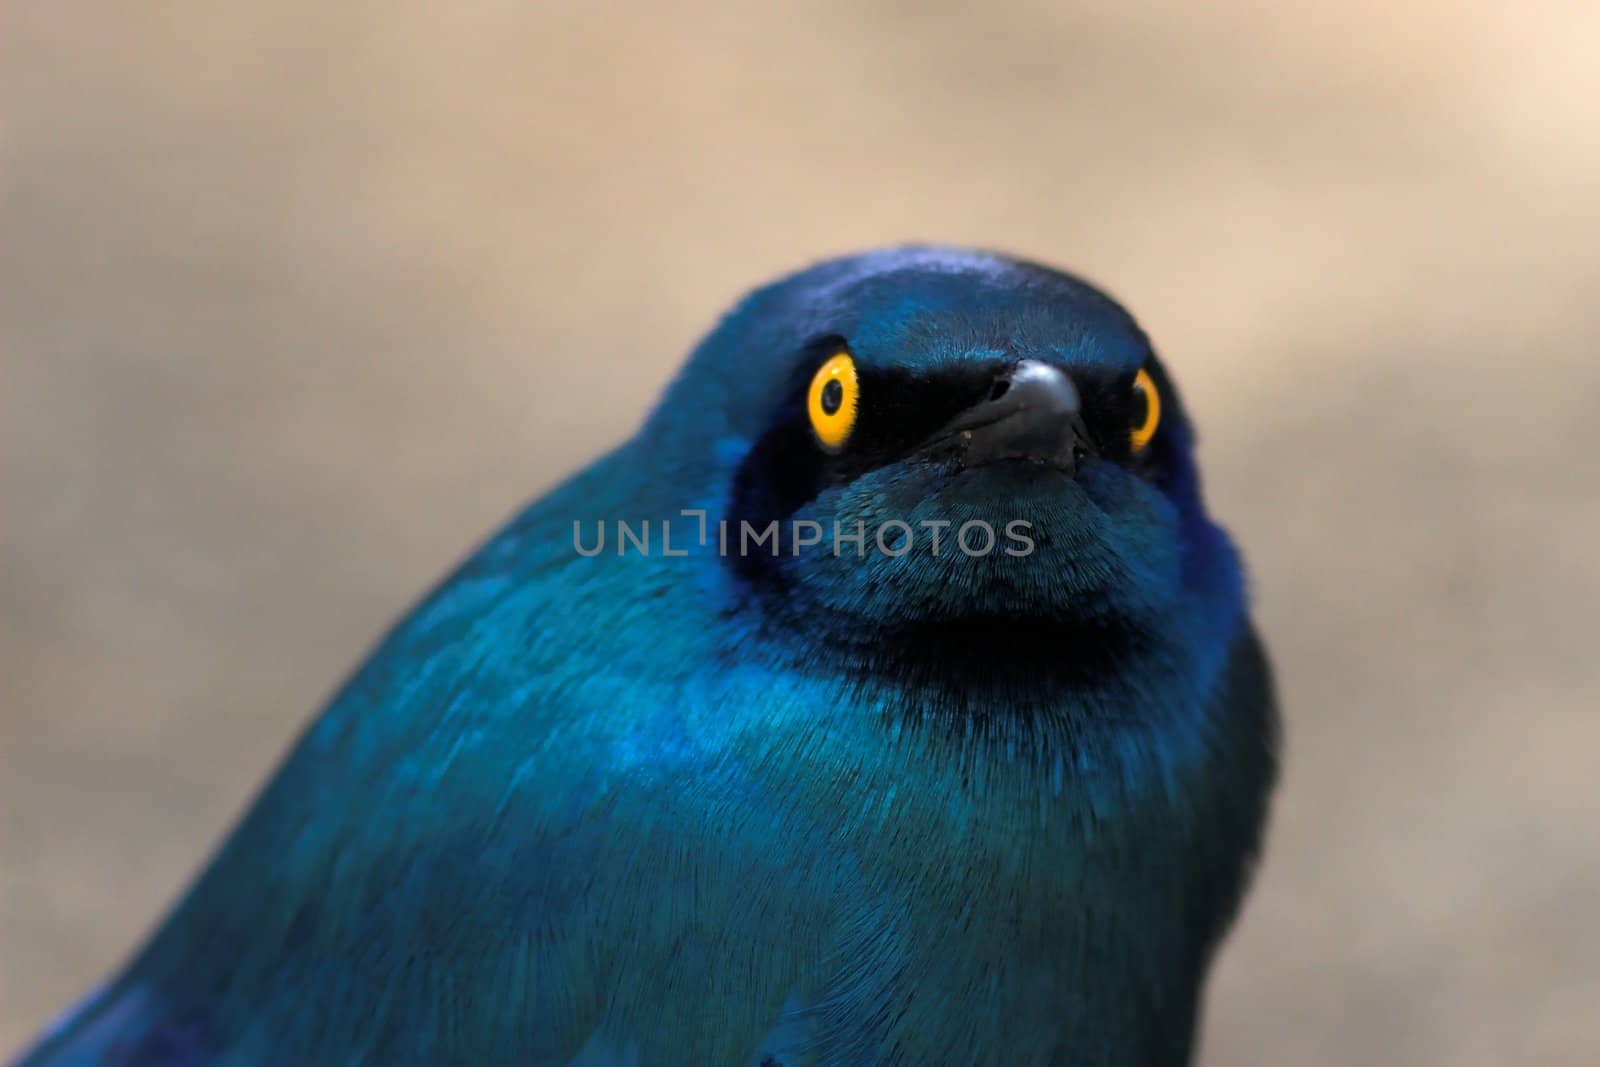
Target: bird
[[890, 698]]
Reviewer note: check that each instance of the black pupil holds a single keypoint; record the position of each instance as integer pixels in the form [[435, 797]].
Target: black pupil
[[832, 397], [1141, 406]]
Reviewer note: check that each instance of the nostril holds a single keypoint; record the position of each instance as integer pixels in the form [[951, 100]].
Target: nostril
[[999, 389]]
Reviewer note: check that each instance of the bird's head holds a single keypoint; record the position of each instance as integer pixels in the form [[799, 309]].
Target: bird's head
[[1012, 413]]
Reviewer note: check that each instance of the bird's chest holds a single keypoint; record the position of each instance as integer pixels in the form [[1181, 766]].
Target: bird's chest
[[936, 896], [1030, 913]]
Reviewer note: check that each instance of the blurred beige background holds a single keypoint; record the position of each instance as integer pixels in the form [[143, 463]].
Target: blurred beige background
[[295, 305]]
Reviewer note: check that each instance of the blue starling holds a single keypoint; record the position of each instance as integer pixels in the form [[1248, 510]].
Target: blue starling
[[889, 698]]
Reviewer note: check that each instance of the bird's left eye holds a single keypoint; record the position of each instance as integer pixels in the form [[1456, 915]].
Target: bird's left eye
[[834, 394], [1146, 411]]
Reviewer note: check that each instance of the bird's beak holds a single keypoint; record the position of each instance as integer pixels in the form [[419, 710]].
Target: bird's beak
[[1031, 411]]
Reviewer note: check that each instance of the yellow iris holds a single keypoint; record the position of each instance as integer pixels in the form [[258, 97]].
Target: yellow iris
[[835, 392], [1146, 420]]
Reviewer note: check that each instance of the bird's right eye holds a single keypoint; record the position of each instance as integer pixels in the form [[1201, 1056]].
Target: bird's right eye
[[831, 403]]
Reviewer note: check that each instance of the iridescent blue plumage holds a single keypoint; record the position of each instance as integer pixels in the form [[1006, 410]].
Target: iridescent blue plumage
[[815, 808]]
